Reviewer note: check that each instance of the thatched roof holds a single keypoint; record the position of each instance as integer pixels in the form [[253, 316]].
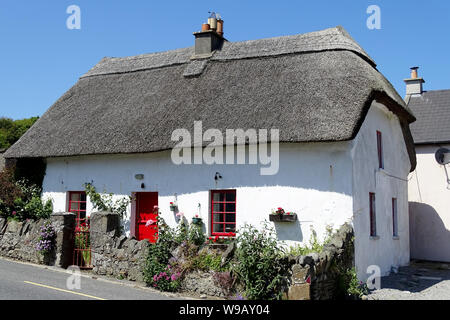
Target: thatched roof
[[313, 87]]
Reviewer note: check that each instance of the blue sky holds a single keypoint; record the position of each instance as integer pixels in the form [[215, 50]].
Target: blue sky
[[40, 58]]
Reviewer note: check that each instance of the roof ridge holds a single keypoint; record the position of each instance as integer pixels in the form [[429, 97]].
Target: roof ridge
[[329, 39]]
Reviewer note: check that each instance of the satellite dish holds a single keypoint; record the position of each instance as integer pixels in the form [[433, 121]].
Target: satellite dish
[[443, 156]]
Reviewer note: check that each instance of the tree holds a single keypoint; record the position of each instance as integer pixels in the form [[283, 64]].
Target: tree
[[12, 130]]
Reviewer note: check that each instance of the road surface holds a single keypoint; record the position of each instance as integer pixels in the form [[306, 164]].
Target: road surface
[[20, 281]]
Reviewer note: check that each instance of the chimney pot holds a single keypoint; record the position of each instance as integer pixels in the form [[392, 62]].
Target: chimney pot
[[205, 27], [414, 74]]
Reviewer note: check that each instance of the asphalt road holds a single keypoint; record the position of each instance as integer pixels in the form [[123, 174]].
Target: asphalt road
[[20, 281]]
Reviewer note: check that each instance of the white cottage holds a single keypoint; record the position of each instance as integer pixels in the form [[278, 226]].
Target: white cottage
[[345, 149], [429, 184]]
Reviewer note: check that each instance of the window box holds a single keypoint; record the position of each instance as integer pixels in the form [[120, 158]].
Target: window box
[[283, 217]]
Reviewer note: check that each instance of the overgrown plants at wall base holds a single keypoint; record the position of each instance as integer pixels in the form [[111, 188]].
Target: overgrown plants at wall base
[[259, 265]]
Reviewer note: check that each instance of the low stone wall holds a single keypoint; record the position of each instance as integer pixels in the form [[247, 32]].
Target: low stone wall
[[18, 239], [114, 254], [2, 159], [315, 276]]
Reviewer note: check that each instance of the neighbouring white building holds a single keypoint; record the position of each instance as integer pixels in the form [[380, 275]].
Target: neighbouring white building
[[429, 185], [344, 155]]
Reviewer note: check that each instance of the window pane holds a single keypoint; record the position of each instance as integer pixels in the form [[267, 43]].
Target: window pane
[[83, 206], [74, 206], [218, 227], [230, 218], [82, 216], [230, 207], [218, 217], [75, 196], [218, 207], [231, 196], [83, 196], [217, 196], [230, 228]]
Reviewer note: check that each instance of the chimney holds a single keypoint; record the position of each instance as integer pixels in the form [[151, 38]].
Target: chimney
[[414, 85], [210, 38]]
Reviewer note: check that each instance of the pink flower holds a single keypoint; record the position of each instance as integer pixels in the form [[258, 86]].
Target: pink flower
[[14, 213], [150, 222], [180, 214]]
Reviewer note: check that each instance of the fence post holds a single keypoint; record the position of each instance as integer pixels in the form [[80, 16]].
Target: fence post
[[64, 224]]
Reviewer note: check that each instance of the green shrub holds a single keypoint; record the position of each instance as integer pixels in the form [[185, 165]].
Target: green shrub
[[105, 202], [196, 235], [157, 270], [349, 284], [21, 200], [208, 262], [260, 267], [314, 244]]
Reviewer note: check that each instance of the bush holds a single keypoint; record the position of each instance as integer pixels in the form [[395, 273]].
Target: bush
[[106, 202], [260, 267], [349, 285], [21, 200], [207, 262], [157, 270], [9, 192], [314, 244], [196, 235]]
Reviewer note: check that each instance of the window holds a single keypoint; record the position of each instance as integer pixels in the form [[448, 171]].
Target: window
[[380, 150], [394, 218], [223, 212], [373, 221], [77, 205]]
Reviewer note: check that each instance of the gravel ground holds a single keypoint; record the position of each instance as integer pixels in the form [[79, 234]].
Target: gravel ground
[[419, 281]]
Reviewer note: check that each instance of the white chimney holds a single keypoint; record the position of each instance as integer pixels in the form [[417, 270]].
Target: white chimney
[[414, 85]]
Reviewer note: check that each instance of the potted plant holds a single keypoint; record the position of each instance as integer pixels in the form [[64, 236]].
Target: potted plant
[[197, 220], [173, 206], [280, 215]]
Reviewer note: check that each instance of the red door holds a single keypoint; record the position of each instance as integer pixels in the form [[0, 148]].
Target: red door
[[146, 216]]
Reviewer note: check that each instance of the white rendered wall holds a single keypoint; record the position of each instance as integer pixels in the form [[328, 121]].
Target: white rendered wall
[[314, 180], [429, 207], [383, 250]]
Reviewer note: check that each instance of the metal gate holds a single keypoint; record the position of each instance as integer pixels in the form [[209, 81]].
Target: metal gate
[[82, 248]]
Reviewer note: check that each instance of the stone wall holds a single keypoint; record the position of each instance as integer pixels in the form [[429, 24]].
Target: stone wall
[[2, 160], [18, 239], [316, 276], [114, 254]]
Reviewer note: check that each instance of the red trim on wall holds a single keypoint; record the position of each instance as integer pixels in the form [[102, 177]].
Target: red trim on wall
[[380, 150], [133, 215], [222, 204], [373, 220]]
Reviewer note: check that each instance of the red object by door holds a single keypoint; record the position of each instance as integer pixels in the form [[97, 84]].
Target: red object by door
[[147, 216]]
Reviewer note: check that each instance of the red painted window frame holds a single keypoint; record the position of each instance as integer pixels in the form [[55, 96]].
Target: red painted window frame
[[380, 150], [212, 223], [78, 220], [394, 218], [373, 220]]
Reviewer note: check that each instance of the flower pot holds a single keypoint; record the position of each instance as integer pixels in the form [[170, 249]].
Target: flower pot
[[283, 217], [173, 208], [197, 220]]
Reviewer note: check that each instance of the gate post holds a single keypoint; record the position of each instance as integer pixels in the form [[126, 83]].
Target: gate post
[[64, 224]]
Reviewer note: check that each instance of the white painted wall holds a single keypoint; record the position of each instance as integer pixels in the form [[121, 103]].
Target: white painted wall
[[324, 183], [384, 250], [429, 207], [314, 180]]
